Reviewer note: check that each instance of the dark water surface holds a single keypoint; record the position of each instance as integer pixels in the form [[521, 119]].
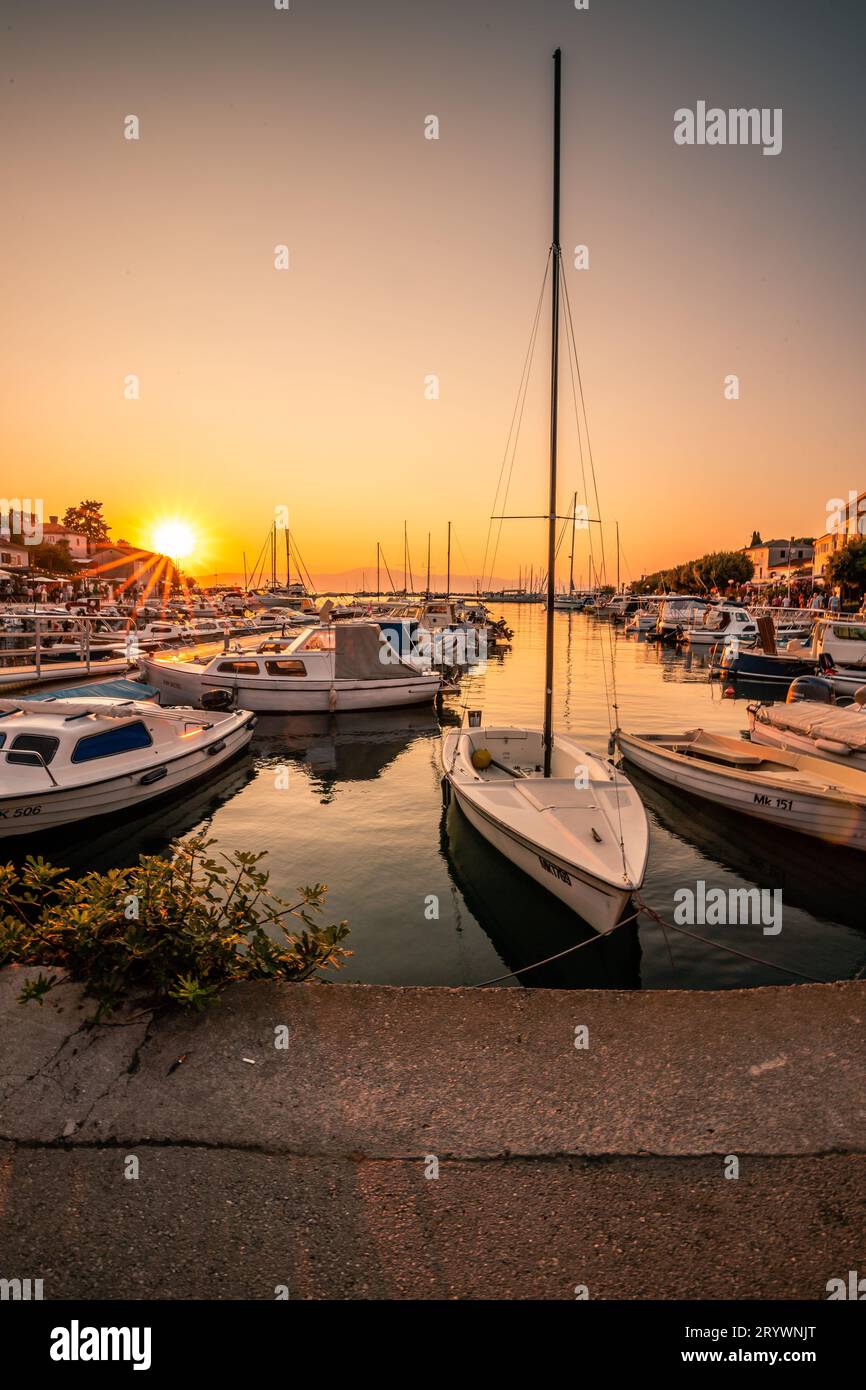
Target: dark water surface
[[363, 812]]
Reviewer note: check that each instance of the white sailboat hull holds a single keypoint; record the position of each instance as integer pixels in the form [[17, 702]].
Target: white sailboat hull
[[564, 836], [593, 900]]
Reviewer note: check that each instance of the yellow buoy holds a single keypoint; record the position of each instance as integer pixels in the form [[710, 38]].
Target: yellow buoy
[[481, 759]]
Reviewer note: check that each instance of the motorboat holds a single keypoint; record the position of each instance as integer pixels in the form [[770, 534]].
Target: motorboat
[[347, 666], [292, 596], [645, 618], [791, 789], [837, 649], [679, 611], [349, 610], [722, 622], [67, 760]]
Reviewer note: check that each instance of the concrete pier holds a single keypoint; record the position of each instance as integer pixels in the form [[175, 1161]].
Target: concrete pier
[[289, 1139]]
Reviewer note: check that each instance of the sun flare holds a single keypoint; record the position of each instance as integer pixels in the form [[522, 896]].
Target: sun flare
[[174, 538]]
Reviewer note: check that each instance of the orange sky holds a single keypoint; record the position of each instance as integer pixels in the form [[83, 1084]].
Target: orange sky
[[409, 257]]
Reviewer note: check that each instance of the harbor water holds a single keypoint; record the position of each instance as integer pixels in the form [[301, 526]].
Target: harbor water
[[355, 802]]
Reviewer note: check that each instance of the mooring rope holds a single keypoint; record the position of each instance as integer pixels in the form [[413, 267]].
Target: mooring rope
[[651, 912]]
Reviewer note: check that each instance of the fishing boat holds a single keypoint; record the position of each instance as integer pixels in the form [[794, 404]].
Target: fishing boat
[[63, 761], [791, 789], [566, 817], [348, 666]]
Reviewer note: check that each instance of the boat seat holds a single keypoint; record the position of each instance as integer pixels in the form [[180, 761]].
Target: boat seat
[[722, 755]]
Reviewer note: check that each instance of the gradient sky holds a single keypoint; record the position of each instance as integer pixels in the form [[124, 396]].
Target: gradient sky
[[409, 257]]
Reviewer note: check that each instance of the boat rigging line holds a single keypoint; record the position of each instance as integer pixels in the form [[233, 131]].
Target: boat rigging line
[[512, 437]]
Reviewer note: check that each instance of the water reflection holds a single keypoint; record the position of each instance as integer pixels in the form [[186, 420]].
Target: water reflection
[[337, 749], [823, 880], [526, 924], [361, 811]]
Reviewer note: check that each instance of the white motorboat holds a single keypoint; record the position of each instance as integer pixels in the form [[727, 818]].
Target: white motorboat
[[836, 732], [349, 666], [722, 622], [789, 789], [163, 632], [289, 596], [645, 619], [349, 610], [63, 761], [566, 817], [287, 617], [580, 832], [680, 610]]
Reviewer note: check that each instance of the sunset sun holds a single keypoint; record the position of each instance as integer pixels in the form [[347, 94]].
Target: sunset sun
[[174, 538]]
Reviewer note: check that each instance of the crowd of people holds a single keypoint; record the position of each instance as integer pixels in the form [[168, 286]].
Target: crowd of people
[[819, 601]]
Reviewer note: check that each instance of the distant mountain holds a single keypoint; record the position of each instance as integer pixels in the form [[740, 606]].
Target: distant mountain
[[352, 581]]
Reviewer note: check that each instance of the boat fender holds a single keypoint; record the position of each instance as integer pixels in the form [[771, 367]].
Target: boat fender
[[481, 759], [446, 792], [332, 699], [156, 774]]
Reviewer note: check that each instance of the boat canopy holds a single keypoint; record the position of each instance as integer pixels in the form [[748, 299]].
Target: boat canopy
[[844, 725], [360, 654]]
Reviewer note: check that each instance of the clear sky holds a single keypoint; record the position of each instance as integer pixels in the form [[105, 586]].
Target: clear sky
[[411, 257]]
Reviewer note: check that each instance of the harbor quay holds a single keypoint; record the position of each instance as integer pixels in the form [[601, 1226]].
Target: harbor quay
[[372, 1142]]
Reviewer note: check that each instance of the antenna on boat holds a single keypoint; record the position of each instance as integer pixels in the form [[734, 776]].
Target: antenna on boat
[[554, 379]]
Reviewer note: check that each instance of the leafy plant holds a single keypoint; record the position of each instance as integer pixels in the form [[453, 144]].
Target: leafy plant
[[166, 930]]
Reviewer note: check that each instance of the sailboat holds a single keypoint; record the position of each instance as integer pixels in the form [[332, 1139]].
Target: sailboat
[[571, 602], [567, 817]]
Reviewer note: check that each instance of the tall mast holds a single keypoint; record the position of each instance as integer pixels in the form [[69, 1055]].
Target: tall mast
[[288, 558], [554, 382], [378, 583], [428, 564], [617, 557], [571, 556], [405, 560], [448, 581]]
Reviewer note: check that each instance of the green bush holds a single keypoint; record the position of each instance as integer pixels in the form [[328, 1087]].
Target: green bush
[[166, 930]]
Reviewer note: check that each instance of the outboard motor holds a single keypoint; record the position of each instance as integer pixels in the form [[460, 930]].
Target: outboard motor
[[217, 700], [811, 688]]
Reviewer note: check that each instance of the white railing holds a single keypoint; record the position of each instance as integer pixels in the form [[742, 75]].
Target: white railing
[[49, 631]]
